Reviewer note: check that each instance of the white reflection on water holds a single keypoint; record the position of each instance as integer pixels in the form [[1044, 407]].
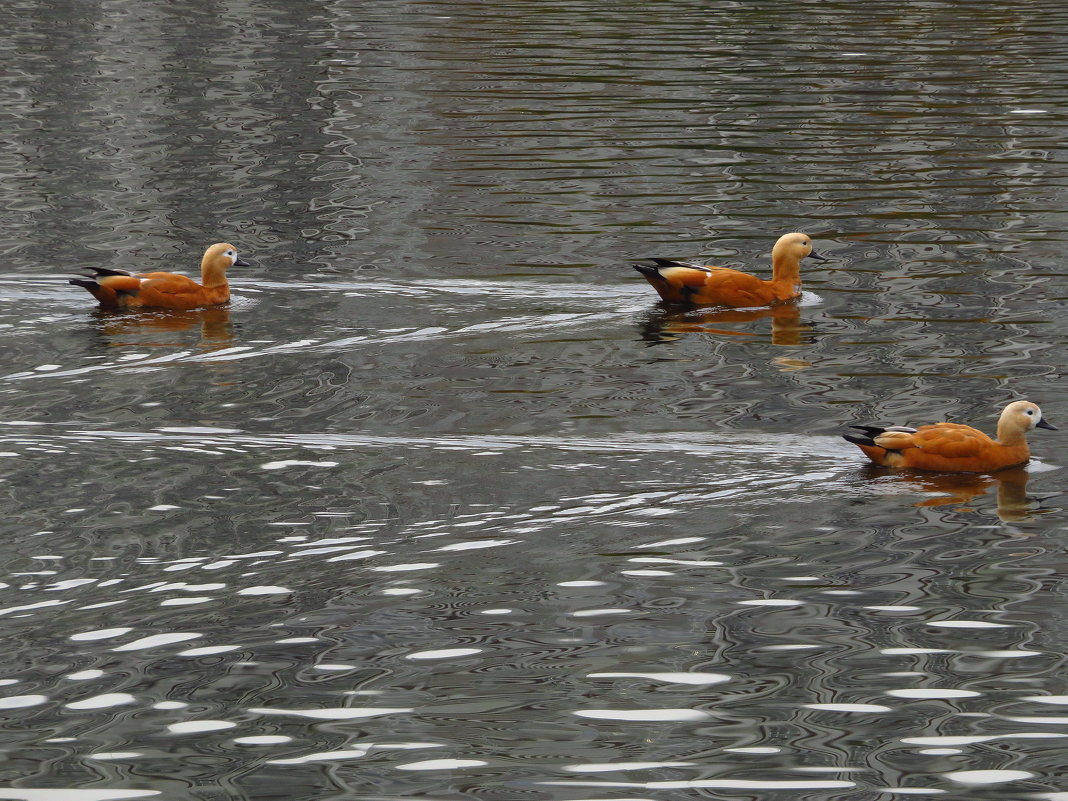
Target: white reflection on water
[[156, 640], [265, 590], [642, 715], [599, 612], [932, 693], [283, 464], [442, 764], [661, 560], [102, 701], [721, 784], [263, 739], [861, 708], [1059, 700], [469, 546], [22, 701], [71, 794], [608, 767], [354, 752], [337, 713], [85, 675], [209, 650], [200, 726], [988, 776], [100, 634], [670, 678], [965, 624], [445, 653], [910, 790]]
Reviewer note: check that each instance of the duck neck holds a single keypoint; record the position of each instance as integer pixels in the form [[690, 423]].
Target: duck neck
[[211, 275], [1011, 435], [786, 276]]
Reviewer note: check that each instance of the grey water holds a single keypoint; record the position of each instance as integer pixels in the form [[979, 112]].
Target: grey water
[[445, 506]]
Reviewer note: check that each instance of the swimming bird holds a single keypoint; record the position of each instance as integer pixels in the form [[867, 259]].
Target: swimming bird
[[951, 447], [701, 285], [121, 289]]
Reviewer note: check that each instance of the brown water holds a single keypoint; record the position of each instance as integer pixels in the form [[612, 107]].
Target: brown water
[[445, 506]]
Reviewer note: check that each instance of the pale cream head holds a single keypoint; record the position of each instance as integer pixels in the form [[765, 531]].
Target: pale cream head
[[793, 246], [220, 256], [1020, 416]]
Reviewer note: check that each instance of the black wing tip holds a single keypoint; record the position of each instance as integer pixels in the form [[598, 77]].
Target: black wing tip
[[867, 437], [858, 439], [647, 270]]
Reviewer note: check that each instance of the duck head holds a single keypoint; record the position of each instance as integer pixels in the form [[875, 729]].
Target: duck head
[[221, 256], [1022, 416], [794, 247], [217, 259]]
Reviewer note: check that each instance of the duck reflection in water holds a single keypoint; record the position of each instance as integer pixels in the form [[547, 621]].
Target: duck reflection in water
[[958, 489], [668, 323], [166, 329]]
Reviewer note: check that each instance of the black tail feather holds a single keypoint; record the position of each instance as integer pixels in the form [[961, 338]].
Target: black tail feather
[[648, 271], [85, 283], [871, 432], [859, 439]]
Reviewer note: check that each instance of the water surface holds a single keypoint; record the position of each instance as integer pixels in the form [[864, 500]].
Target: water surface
[[444, 505]]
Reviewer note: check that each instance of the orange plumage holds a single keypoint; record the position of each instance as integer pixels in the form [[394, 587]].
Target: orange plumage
[[120, 289], [700, 285], [951, 447]]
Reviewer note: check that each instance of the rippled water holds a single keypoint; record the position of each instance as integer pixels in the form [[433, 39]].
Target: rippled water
[[445, 506]]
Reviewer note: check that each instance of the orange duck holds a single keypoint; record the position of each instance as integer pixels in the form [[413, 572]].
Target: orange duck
[[951, 447], [120, 289], [699, 285]]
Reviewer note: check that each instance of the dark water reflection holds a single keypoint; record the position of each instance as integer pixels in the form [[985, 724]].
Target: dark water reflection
[[444, 505], [785, 327]]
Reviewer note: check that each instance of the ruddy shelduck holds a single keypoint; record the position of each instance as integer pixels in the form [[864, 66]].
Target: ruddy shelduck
[[120, 289], [951, 447], [701, 285]]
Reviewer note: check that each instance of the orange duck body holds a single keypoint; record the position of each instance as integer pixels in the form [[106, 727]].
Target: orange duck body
[[701, 285], [951, 447], [120, 289]]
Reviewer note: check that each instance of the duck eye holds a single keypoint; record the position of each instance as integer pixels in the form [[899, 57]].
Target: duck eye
[[230, 253], [1031, 411]]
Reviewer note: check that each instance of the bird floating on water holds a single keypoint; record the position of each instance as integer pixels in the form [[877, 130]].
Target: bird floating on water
[[701, 285], [121, 289], [951, 447]]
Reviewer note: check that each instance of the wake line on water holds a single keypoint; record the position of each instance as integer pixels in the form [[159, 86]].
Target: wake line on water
[[740, 468], [514, 290], [622, 306], [701, 444], [623, 301]]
